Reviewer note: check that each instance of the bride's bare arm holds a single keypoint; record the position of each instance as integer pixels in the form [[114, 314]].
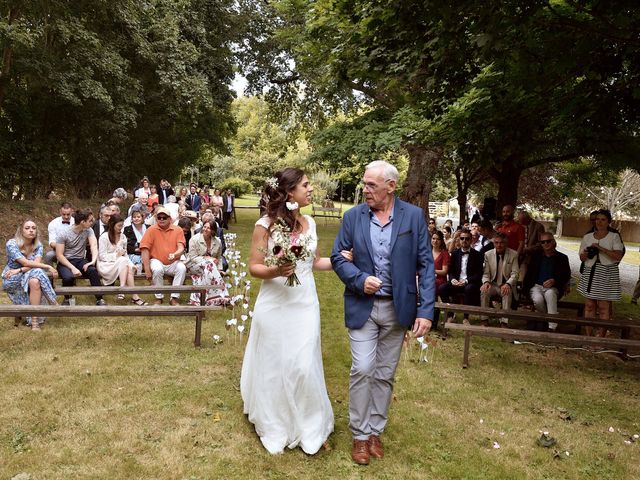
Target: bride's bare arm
[[324, 263], [257, 268]]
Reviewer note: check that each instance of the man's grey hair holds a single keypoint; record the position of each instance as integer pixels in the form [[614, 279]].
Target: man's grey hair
[[389, 172], [208, 216], [120, 193]]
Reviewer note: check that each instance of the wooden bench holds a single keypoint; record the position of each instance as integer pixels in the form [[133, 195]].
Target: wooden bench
[[623, 325], [326, 212], [197, 311], [620, 344], [242, 207]]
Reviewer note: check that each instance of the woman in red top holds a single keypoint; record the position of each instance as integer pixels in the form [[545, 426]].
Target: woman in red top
[[441, 263]]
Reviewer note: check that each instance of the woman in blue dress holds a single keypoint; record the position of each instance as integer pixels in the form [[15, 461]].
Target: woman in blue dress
[[24, 278]]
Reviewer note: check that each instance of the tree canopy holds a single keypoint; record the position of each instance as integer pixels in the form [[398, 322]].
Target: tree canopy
[[96, 94]]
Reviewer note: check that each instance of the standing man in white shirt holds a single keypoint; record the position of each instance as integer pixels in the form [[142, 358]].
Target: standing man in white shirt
[[56, 226]]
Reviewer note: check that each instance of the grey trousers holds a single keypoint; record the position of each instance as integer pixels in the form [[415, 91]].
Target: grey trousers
[[375, 351]]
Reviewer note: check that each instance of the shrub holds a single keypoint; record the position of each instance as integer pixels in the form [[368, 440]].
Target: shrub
[[237, 185]]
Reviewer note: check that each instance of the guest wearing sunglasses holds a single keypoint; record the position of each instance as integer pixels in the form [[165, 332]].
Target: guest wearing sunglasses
[[161, 248], [465, 274], [547, 279]]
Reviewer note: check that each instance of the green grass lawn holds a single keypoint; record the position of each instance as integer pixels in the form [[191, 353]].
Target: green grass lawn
[[131, 398]]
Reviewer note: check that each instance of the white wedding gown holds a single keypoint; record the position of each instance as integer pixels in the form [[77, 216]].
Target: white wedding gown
[[282, 382]]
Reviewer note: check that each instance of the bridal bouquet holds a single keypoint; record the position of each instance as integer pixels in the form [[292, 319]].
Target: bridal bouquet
[[289, 247]]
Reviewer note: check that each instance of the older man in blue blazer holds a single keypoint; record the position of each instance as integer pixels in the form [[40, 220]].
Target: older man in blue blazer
[[382, 298]]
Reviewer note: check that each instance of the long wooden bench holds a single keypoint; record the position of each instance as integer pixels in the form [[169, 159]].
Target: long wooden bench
[[620, 344], [326, 212], [196, 311], [144, 289], [623, 325]]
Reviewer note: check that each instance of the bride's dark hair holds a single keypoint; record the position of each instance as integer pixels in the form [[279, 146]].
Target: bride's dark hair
[[278, 193]]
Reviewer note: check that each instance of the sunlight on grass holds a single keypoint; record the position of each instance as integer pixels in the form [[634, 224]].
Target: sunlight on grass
[[131, 398]]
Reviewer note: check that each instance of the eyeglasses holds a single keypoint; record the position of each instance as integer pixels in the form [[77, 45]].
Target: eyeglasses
[[432, 223], [545, 241], [162, 217], [371, 186], [465, 238]]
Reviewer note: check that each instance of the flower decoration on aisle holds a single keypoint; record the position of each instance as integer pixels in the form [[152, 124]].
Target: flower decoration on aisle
[[239, 289]]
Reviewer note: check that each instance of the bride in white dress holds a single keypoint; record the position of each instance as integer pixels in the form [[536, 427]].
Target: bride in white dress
[[282, 382]]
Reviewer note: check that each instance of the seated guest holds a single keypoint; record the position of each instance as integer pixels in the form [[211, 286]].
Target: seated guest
[[139, 204], [432, 226], [465, 274], [448, 237], [113, 262], [71, 248], [65, 220], [119, 196], [24, 278], [172, 206], [100, 226], [500, 275], [185, 224], [193, 199], [209, 216], [143, 188], [161, 246], [441, 264], [485, 227], [203, 262], [153, 197], [134, 234], [547, 279]]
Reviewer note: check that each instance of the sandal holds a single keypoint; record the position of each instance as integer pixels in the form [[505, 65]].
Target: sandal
[[138, 301], [120, 296], [35, 324]]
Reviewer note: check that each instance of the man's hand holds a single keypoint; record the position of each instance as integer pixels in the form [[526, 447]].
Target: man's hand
[[86, 266], [76, 272], [505, 290], [485, 286], [372, 285], [421, 327], [549, 283]]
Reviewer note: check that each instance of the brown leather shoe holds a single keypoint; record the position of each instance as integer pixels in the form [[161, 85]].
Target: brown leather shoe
[[360, 452], [375, 447]]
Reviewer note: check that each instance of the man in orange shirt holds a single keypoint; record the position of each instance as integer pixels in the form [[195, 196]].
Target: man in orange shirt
[[514, 231], [161, 247]]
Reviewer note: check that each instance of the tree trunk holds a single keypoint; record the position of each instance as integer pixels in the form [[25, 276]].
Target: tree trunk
[[462, 197], [423, 162], [5, 75], [507, 179]]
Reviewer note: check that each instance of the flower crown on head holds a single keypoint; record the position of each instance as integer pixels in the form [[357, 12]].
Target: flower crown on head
[[272, 182]]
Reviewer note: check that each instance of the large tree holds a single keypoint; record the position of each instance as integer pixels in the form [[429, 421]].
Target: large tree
[[505, 85]]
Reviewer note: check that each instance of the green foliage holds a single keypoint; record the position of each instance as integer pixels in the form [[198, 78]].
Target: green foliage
[[237, 185], [100, 93]]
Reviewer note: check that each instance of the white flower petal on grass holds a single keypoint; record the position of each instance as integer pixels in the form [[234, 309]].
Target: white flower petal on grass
[[481, 420], [611, 429], [420, 339], [496, 445]]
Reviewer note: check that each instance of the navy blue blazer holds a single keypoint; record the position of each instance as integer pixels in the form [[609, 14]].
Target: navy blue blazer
[[410, 255], [474, 266]]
